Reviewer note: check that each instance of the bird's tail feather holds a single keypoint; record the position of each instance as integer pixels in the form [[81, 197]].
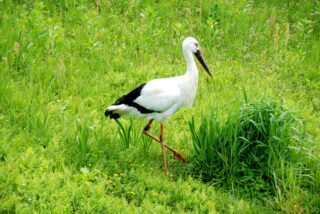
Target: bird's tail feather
[[111, 114]]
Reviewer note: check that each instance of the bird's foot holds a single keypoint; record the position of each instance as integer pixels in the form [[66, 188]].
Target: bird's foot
[[180, 157]]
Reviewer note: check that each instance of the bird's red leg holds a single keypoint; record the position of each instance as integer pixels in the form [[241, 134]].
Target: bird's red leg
[[163, 151], [148, 125], [176, 154]]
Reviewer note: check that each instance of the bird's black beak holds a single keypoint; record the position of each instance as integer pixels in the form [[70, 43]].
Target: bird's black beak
[[202, 62]]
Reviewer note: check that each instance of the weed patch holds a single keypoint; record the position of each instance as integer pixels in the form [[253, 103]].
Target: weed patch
[[262, 150]]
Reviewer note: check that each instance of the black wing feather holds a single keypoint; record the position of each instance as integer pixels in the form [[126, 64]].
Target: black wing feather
[[128, 100], [131, 96]]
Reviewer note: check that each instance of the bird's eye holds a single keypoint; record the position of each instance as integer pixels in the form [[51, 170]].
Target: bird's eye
[[196, 44]]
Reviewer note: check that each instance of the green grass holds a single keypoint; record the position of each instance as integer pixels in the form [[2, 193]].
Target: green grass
[[63, 62], [262, 151]]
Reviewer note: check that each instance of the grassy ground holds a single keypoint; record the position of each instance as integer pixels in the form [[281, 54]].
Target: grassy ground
[[63, 62]]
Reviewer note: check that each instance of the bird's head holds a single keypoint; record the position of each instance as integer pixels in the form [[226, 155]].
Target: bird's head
[[190, 44]]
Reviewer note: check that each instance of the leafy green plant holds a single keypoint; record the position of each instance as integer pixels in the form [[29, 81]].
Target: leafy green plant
[[263, 149], [82, 138], [126, 134], [130, 135]]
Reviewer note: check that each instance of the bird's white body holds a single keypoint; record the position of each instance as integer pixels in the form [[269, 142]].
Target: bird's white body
[[165, 96], [158, 99]]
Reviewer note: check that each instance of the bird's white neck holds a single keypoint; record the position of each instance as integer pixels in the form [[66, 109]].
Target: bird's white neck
[[190, 79], [191, 64]]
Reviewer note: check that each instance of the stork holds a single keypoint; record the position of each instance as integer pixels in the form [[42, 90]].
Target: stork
[[158, 99]]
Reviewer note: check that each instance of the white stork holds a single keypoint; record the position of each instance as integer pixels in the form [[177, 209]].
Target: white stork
[[158, 99]]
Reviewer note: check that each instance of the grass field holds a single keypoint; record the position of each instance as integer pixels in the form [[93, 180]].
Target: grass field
[[252, 137]]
